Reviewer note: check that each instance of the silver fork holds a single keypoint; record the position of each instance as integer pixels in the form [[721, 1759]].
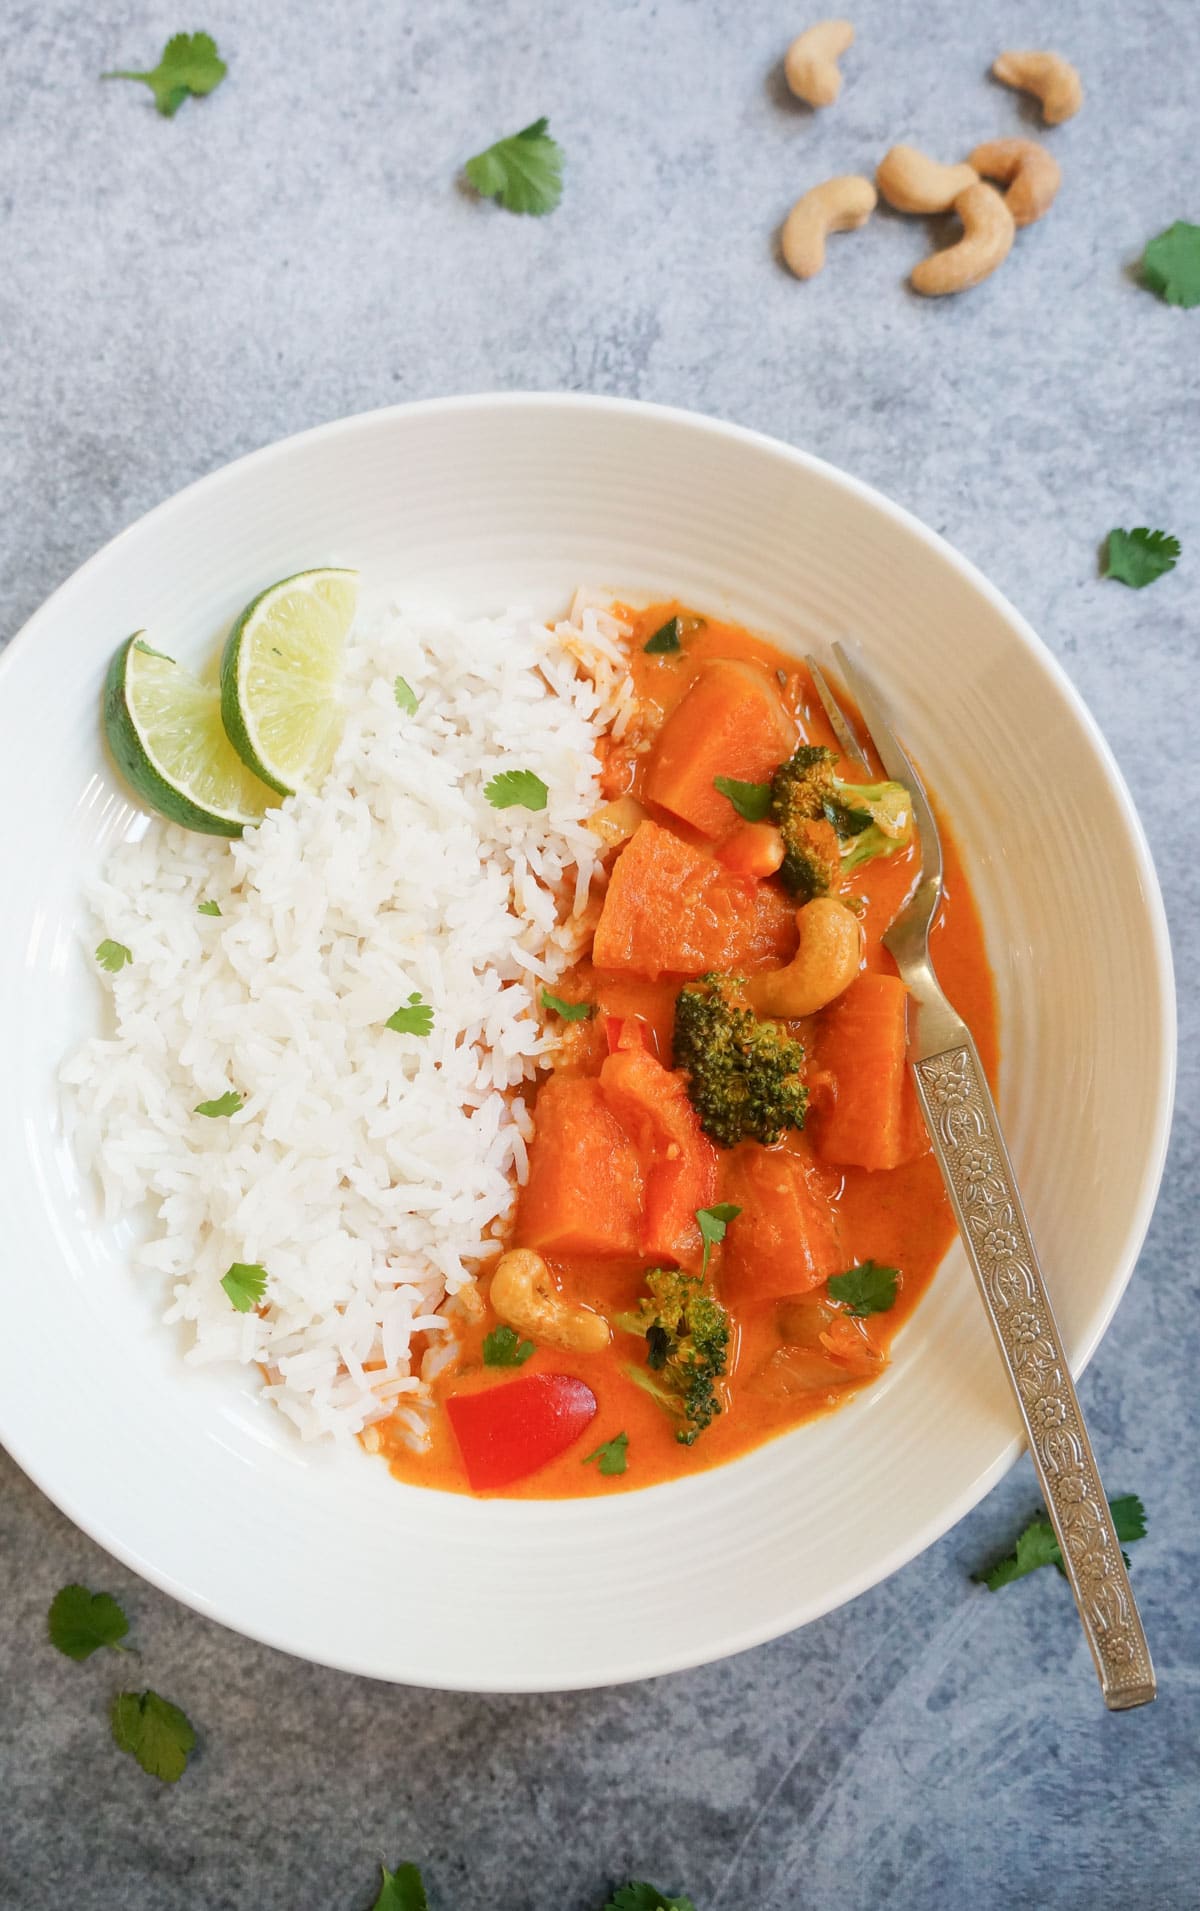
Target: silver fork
[[964, 1128]]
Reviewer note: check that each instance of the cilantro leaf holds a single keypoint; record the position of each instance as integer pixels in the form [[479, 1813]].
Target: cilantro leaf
[[713, 1223], [865, 1289], [667, 638], [153, 1731], [406, 696], [646, 1897], [524, 172], [1137, 557], [503, 1348], [751, 800], [401, 1890], [189, 64], [208, 908], [513, 788], [113, 955], [613, 1455], [245, 1284], [570, 1011], [80, 1622], [226, 1104], [1171, 264], [415, 1018], [1037, 1545]]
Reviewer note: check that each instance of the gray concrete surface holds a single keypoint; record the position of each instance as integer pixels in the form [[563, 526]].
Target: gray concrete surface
[[298, 247]]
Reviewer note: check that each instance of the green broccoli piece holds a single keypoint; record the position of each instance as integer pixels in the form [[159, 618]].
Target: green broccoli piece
[[743, 1075], [687, 1344], [830, 827]]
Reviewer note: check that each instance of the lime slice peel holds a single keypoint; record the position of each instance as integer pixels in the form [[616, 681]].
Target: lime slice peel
[[279, 677], [165, 733]]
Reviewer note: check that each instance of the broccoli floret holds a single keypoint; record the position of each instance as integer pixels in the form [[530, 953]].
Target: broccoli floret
[[687, 1344], [830, 827], [743, 1075]]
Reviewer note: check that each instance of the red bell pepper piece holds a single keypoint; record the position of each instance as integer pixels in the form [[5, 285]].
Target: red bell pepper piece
[[506, 1432]]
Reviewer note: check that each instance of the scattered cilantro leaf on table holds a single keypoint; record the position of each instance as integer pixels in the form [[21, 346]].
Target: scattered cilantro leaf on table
[[613, 1455], [504, 1348], [406, 696], [1037, 1545], [208, 908], [414, 1018], [523, 172], [750, 800], [865, 1289], [1137, 557], [245, 1284], [153, 1731], [570, 1011], [401, 1890], [113, 955], [190, 64], [226, 1104], [81, 1622], [1171, 264], [512, 789], [646, 1897], [666, 639], [713, 1223]]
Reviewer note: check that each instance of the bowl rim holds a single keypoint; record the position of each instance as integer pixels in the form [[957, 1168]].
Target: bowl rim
[[1164, 1057]]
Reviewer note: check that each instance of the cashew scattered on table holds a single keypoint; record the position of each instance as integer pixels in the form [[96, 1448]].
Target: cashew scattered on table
[[1050, 78], [988, 233], [826, 962], [839, 205], [810, 66], [1031, 174], [912, 182], [524, 1295]]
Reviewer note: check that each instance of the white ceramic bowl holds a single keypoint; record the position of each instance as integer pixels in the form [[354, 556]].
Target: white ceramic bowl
[[481, 503]]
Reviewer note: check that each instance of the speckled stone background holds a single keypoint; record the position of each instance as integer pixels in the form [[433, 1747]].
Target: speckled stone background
[[298, 246]]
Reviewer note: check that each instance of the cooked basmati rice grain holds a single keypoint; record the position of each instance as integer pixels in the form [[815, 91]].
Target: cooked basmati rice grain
[[369, 1171]]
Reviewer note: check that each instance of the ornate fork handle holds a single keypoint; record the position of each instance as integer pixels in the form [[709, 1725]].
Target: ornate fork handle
[[965, 1130]]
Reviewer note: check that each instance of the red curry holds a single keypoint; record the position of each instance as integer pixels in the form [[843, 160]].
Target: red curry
[[619, 1166]]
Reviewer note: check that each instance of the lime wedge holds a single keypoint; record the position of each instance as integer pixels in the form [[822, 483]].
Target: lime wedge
[[164, 729], [279, 678]]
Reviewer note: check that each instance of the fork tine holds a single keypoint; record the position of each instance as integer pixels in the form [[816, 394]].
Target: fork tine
[[894, 757], [838, 721]]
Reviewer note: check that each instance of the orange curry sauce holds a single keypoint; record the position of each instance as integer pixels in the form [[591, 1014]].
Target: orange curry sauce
[[897, 1216]]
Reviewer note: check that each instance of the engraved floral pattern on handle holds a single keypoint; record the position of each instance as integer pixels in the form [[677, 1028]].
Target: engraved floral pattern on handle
[[965, 1130]]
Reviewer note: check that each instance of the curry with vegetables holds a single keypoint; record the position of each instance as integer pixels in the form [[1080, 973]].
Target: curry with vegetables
[[730, 1204]]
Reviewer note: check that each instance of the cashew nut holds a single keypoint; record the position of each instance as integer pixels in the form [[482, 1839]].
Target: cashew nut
[[1050, 78], [1031, 174], [810, 64], [988, 233], [826, 962], [839, 205], [912, 182], [524, 1295]]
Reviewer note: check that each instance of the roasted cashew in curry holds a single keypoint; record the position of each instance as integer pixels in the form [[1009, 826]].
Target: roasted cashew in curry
[[524, 1295], [826, 962]]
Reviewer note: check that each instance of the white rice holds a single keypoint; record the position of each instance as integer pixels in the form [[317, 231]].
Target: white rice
[[369, 1172]]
